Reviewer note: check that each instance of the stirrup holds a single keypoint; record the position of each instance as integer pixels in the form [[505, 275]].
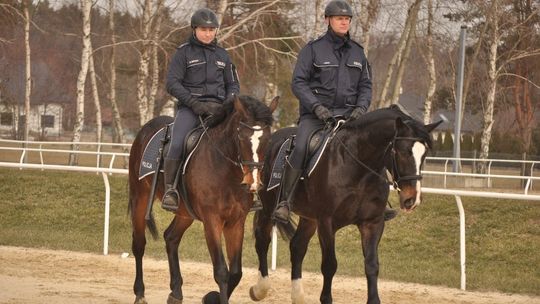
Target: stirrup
[[280, 216], [170, 195], [389, 214]]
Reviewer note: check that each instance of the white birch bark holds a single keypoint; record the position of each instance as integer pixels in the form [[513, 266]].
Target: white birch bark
[[142, 74], [81, 80], [369, 10], [154, 81], [28, 69], [430, 65], [403, 62], [397, 55], [117, 119], [492, 74], [97, 103]]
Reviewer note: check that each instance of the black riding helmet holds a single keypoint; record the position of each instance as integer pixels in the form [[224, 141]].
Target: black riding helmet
[[338, 8], [205, 18]]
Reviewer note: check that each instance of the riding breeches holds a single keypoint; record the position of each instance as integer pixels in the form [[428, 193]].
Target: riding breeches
[[307, 126], [184, 122]]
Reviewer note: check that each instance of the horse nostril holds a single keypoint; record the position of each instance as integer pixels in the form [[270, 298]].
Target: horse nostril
[[408, 203]]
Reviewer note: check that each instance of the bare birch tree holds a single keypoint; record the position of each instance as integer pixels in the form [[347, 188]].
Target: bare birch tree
[[28, 68], [368, 12], [145, 113], [397, 59], [430, 64], [86, 6], [489, 107], [117, 119]]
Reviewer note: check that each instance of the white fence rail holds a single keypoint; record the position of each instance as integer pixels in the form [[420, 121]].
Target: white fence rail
[[38, 147]]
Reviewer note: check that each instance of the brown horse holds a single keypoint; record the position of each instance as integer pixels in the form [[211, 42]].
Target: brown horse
[[217, 180], [348, 187]]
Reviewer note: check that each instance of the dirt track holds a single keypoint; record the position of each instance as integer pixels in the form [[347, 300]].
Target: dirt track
[[46, 276]]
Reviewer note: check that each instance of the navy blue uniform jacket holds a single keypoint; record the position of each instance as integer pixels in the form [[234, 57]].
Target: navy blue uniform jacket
[[334, 72], [202, 71]]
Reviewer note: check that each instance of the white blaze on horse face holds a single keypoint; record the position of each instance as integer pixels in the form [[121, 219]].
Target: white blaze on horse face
[[254, 146], [418, 151]]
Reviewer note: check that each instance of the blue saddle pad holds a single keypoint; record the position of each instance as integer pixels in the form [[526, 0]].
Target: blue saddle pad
[[151, 151]]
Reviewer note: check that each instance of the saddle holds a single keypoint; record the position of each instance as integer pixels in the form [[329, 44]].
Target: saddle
[[317, 144], [161, 140]]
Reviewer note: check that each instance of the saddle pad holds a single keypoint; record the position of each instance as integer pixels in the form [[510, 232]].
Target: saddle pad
[[151, 151], [279, 165], [314, 157]]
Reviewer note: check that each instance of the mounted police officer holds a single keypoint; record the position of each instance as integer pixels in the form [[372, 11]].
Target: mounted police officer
[[332, 78], [202, 78]]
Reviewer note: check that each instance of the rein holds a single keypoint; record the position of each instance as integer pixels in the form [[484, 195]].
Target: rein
[[389, 147], [239, 163]]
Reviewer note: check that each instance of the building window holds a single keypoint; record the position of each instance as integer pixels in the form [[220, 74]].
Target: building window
[[47, 121], [6, 119]]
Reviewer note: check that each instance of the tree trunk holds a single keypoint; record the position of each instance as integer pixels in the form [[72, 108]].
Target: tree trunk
[[81, 80], [490, 100], [28, 70], [142, 74], [406, 52], [397, 55], [431, 66], [218, 6], [154, 82], [369, 10], [97, 104]]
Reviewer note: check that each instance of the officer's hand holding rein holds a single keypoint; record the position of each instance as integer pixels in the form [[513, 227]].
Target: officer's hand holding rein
[[357, 113], [323, 113]]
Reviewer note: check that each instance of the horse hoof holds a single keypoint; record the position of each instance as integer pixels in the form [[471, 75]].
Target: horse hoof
[[253, 296], [172, 300], [211, 298], [140, 300]]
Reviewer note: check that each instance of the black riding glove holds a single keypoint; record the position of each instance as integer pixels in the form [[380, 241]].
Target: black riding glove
[[206, 108], [322, 113], [357, 113], [229, 100]]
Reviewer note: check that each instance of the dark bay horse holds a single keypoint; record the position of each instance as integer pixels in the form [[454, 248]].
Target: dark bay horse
[[217, 181], [348, 187]]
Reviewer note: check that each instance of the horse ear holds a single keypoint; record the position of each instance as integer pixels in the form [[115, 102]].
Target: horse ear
[[239, 107], [401, 127], [274, 104], [432, 126]]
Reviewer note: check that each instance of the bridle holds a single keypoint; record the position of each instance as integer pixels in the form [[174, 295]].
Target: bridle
[[395, 177], [239, 162]]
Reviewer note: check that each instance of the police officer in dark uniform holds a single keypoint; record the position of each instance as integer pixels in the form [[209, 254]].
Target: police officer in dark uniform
[[202, 78], [331, 78]]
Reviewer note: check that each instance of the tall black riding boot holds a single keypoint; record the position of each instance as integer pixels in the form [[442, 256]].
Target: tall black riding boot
[[291, 176], [170, 198]]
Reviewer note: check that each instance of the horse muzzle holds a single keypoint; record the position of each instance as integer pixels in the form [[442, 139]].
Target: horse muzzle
[[410, 197]]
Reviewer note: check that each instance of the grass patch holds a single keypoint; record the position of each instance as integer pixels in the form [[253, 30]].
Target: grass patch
[[60, 210]]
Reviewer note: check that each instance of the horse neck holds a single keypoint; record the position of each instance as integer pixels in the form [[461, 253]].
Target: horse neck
[[224, 135], [369, 143]]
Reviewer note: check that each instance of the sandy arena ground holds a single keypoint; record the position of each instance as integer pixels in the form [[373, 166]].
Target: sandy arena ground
[[49, 276]]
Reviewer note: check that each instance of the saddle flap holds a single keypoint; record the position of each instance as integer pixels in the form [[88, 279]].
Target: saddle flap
[[151, 154]]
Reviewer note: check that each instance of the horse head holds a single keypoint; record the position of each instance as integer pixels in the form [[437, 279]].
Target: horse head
[[409, 148], [254, 121]]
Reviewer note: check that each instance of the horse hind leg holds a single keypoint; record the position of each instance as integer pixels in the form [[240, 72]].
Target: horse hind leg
[[173, 235]]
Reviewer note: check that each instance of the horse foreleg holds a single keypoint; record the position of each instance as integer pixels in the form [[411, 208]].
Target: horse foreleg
[[262, 229], [298, 248], [327, 239], [234, 239], [371, 235], [172, 235], [213, 229]]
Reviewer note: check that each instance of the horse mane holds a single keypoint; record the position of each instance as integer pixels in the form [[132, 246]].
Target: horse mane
[[392, 112], [260, 111]]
